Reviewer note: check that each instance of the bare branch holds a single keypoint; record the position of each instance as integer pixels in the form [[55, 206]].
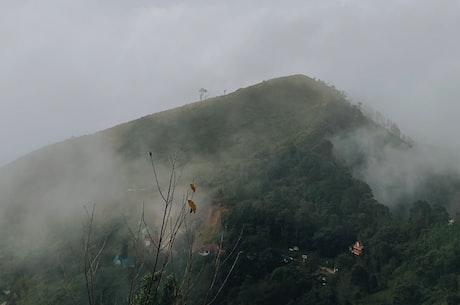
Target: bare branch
[[226, 278]]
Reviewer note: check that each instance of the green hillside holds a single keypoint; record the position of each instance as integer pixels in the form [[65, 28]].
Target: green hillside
[[241, 122], [280, 168]]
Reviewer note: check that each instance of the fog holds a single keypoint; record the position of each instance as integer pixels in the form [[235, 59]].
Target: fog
[[399, 172], [69, 69], [46, 195]]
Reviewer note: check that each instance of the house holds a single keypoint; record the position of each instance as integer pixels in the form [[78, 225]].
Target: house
[[286, 259], [118, 261], [327, 270], [357, 248]]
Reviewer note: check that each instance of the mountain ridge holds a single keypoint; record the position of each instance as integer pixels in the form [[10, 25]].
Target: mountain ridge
[[297, 82], [275, 160]]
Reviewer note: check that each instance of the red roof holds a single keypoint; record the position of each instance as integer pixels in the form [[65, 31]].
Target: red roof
[[357, 248]]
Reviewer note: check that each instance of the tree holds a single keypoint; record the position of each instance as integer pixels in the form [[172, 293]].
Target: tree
[[407, 294], [91, 257], [420, 216], [202, 91]]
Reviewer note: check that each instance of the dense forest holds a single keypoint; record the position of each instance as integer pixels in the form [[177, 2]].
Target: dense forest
[[282, 212]]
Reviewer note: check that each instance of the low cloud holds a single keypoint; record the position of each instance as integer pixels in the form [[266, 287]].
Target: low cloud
[[396, 171], [106, 62]]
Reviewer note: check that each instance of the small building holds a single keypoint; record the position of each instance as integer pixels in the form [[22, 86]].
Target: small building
[[118, 261], [357, 248], [304, 257], [327, 271]]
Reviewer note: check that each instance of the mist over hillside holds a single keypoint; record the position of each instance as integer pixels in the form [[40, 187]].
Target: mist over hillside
[[53, 184], [399, 171], [308, 166]]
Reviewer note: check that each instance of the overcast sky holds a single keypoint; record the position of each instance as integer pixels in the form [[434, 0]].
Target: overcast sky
[[69, 68]]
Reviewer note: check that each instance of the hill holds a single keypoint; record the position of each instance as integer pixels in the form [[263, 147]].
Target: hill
[[285, 166], [216, 133]]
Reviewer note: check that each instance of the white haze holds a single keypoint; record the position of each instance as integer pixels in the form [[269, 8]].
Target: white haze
[[46, 196], [73, 68], [395, 172]]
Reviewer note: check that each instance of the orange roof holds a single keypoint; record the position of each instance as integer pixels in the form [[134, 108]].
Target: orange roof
[[357, 248]]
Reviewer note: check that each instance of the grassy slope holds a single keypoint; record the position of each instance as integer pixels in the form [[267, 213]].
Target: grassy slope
[[241, 121]]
